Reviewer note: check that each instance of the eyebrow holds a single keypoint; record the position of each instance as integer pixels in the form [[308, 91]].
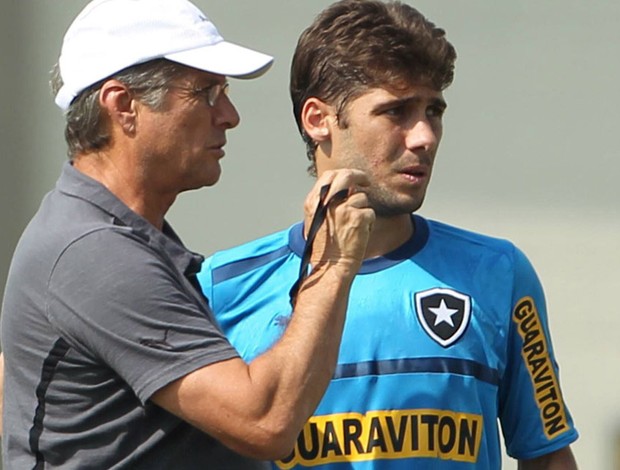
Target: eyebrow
[[204, 81], [439, 102], [210, 83]]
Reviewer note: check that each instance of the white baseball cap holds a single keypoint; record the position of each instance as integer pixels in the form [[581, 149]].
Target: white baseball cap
[[110, 35]]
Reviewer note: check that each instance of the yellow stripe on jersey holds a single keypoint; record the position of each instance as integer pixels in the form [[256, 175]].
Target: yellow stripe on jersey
[[354, 437], [535, 353]]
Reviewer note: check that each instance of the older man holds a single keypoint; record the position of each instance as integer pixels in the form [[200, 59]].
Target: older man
[[112, 357]]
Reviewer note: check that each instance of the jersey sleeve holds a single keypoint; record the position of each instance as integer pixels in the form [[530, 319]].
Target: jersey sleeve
[[535, 419], [130, 309]]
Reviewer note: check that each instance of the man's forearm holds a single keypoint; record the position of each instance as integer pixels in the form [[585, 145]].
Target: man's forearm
[[258, 409], [562, 459], [307, 353]]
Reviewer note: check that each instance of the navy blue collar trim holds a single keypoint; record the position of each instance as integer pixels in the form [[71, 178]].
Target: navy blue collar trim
[[405, 251]]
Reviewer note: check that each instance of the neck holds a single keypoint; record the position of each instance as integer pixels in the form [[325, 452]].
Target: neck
[[389, 233], [127, 183]]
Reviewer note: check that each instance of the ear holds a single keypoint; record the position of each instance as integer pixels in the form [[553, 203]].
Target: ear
[[117, 100], [318, 119]]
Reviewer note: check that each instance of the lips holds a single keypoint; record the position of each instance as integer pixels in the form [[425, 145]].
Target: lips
[[218, 148], [417, 171]]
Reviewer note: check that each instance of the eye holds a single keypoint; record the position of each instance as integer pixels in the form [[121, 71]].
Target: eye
[[211, 93], [396, 111], [435, 111]]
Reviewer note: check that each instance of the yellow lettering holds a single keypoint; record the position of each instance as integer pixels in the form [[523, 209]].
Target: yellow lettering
[[535, 353], [394, 434]]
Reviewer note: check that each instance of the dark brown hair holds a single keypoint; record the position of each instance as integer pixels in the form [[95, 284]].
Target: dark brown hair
[[355, 45]]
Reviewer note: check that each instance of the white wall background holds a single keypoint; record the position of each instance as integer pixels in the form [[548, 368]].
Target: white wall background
[[529, 153]]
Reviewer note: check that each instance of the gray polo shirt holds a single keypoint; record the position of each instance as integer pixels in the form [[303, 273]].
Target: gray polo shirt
[[100, 312]]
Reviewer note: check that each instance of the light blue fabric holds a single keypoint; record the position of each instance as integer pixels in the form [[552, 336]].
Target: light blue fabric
[[400, 398]]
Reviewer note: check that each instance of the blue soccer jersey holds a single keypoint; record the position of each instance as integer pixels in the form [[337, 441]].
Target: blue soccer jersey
[[444, 338]]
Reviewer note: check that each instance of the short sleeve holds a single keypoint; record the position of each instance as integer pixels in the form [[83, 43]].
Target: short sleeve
[[535, 419], [123, 303]]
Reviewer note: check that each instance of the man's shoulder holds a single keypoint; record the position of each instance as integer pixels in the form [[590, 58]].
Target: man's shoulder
[[446, 233], [52, 231], [258, 248], [250, 257]]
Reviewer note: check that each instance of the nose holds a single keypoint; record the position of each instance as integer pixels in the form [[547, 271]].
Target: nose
[[423, 134], [226, 114]]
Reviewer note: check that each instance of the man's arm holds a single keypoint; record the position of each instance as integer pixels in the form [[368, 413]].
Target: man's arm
[[562, 459], [258, 409]]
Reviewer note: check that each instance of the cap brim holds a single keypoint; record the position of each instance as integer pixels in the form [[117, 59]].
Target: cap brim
[[225, 58]]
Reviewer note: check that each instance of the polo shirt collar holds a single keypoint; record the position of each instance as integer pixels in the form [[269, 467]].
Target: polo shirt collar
[[74, 183]]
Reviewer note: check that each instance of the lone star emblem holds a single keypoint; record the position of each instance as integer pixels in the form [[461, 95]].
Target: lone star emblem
[[443, 313]]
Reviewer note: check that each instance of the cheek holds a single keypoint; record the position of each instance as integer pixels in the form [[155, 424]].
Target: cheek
[[375, 163], [384, 149], [439, 133]]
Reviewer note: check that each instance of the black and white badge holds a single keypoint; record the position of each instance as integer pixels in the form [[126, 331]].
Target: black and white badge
[[444, 314]]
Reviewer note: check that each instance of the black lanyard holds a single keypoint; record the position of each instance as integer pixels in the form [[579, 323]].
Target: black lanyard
[[319, 216]]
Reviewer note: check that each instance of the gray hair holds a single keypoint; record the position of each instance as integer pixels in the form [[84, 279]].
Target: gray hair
[[86, 129]]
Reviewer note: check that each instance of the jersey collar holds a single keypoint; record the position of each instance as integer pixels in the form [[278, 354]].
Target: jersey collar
[[405, 251]]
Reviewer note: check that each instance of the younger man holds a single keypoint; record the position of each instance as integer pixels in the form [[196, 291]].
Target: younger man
[[447, 330]]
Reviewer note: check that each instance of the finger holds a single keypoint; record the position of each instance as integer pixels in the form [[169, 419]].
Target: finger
[[358, 200], [338, 197], [313, 197], [349, 179], [333, 187]]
